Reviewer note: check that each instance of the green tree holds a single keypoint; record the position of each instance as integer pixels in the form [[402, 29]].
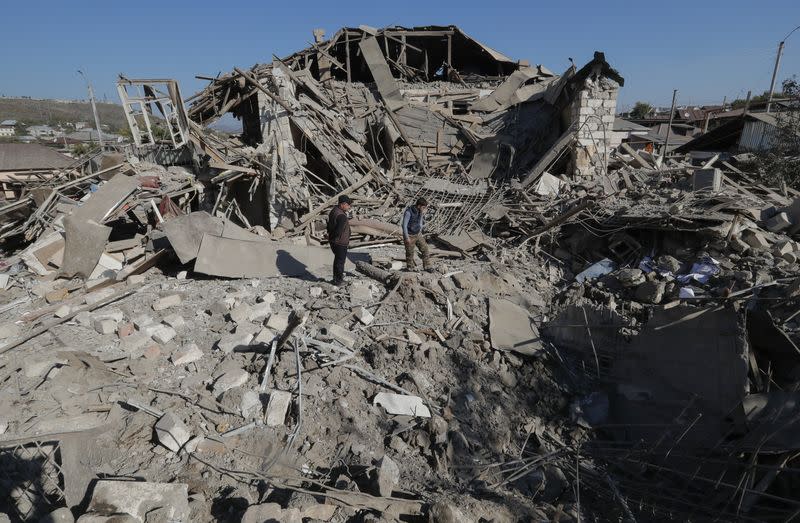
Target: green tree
[[780, 164], [641, 110], [763, 97]]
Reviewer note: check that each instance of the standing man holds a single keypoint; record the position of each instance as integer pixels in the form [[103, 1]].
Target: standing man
[[339, 236], [413, 224]]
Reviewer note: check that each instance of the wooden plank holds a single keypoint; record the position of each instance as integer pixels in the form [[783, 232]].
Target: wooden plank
[[562, 142], [641, 162]]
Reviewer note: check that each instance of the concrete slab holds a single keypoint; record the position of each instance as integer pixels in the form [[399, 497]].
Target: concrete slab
[[186, 232], [512, 328], [85, 242]]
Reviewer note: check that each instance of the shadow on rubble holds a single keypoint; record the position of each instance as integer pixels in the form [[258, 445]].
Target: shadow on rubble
[[30, 487], [227, 507], [492, 415]]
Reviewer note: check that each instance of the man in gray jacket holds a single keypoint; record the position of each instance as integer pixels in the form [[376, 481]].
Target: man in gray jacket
[[413, 225]]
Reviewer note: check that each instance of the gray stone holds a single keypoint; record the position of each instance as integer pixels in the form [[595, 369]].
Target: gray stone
[[266, 512], [442, 512], [163, 334], [250, 401], [278, 322], [166, 302], [63, 311], [755, 239], [138, 501], [387, 476], [171, 432], [106, 326], [240, 313], [779, 222], [342, 335], [630, 277], [59, 515], [186, 355], [174, 320], [277, 407], [229, 380], [259, 311], [669, 263], [230, 341], [650, 292]]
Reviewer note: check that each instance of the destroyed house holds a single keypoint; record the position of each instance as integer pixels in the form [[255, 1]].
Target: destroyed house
[[428, 102]]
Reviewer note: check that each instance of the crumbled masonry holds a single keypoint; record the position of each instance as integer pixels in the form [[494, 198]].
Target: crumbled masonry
[[606, 335]]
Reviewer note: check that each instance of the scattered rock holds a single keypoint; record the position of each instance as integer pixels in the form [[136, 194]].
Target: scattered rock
[[650, 292], [166, 302], [230, 379], [387, 476], [186, 355], [230, 341], [171, 432], [277, 407]]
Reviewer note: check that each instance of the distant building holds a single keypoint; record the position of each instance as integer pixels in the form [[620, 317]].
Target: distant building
[[8, 128], [42, 131], [21, 163], [79, 125]]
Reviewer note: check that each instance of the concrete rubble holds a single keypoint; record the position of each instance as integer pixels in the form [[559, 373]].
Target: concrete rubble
[[602, 337]]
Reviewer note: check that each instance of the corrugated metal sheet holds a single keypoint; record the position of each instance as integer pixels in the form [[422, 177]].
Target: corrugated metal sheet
[[757, 136]]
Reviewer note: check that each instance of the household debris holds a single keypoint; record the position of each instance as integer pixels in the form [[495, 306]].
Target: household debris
[[604, 337]]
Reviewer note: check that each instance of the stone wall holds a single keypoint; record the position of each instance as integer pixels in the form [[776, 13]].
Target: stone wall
[[592, 111]]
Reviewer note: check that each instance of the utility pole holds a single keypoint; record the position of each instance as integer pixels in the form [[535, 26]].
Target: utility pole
[[669, 127], [94, 109], [774, 75], [781, 45]]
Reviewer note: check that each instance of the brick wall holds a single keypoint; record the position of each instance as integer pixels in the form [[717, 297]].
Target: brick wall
[[592, 111]]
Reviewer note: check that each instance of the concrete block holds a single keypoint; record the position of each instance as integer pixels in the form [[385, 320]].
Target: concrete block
[[98, 295], [134, 344], [56, 295], [63, 311], [413, 337], [163, 334], [171, 432], [278, 322], [341, 335], [106, 326], [387, 476], [152, 352], [186, 355], [136, 279], [315, 292], [240, 313], [125, 329], [264, 337], [108, 314], [782, 247], [140, 501], [230, 341], [143, 320], [229, 380], [4, 279], [707, 180], [166, 302], [363, 315], [250, 402], [277, 407], [779, 222], [268, 297], [259, 311], [261, 513], [174, 320], [755, 239]]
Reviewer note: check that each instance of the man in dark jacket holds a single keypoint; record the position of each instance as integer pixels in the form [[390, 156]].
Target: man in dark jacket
[[339, 236], [413, 224]]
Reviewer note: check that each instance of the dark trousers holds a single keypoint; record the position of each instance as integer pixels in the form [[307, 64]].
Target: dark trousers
[[339, 257]]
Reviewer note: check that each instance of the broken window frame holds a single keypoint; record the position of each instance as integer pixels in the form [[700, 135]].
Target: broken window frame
[[161, 94]]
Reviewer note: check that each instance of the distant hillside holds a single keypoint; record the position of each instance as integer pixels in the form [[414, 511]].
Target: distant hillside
[[39, 112]]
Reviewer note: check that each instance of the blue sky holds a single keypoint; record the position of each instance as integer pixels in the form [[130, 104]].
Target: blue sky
[[704, 49]]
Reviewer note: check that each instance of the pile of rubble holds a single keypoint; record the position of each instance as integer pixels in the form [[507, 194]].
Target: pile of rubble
[[606, 335]]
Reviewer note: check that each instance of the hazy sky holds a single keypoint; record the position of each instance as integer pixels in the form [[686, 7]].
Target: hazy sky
[[704, 49]]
